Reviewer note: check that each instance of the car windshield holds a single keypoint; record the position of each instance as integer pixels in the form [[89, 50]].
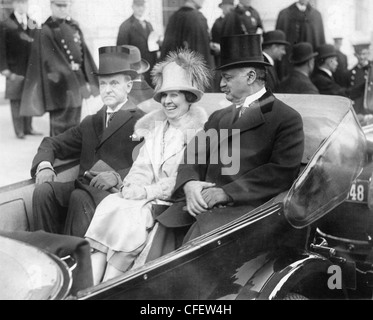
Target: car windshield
[[326, 181]]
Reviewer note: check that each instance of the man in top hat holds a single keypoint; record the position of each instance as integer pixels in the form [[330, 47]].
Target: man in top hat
[[340, 75], [301, 23], [303, 61], [358, 76], [141, 90], [274, 48], [103, 144], [263, 135], [16, 37], [322, 77], [60, 72], [244, 19], [136, 31]]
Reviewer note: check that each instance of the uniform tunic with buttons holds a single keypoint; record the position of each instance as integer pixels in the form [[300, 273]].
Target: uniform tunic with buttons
[[357, 77], [60, 68]]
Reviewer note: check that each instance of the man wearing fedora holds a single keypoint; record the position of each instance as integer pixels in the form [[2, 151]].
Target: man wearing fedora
[[103, 144], [274, 48], [60, 72], [323, 79], [141, 90], [136, 31], [303, 61], [267, 155]]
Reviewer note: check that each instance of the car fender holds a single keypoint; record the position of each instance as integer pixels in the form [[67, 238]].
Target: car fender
[[291, 271]]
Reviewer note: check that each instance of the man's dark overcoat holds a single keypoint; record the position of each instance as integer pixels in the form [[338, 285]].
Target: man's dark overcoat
[[327, 85], [132, 33], [90, 142], [188, 29], [297, 83], [51, 84], [268, 157], [272, 82], [15, 51], [299, 26]]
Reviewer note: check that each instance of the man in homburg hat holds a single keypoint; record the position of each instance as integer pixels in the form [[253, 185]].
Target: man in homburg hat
[[60, 71], [323, 79], [103, 144], [340, 74], [274, 48], [16, 37], [263, 135], [303, 61]]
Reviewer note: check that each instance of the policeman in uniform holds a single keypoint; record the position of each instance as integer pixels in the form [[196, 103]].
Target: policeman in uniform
[[60, 74], [358, 76]]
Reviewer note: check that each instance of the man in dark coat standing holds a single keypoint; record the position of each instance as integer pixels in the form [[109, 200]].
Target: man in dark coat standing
[[16, 37], [340, 75], [60, 73], [102, 142], [244, 19], [301, 23], [274, 48], [323, 75], [188, 29], [263, 136], [136, 31], [303, 61]]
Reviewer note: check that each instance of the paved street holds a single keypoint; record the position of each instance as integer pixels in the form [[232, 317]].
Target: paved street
[[16, 154]]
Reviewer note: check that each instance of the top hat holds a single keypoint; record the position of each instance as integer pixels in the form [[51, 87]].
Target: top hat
[[326, 51], [231, 2], [274, 37], [241, 50], [302, 52], [137, 63], [184, 70], [114, 60]]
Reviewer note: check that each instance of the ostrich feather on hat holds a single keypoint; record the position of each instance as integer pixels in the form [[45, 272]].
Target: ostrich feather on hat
[[182, 70]]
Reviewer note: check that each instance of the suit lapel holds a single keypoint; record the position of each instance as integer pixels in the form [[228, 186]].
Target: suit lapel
[[120, 119], [143, 32], [99, 123]]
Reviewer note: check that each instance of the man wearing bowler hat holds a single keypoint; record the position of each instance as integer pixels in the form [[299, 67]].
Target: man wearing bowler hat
[[323, 79], [263, 135], [103, 144], [274, 48], [303, 61]]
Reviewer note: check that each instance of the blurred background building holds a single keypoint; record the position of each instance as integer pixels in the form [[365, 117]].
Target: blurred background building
[[100, 20]]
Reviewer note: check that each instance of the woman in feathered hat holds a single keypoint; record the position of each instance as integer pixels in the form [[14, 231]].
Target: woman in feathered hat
[[122, 221]]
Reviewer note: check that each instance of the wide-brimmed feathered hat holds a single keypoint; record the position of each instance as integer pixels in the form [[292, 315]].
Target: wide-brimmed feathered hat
[[182, 70]]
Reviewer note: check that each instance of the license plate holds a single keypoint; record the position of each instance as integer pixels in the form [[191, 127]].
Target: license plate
[[359, 192]]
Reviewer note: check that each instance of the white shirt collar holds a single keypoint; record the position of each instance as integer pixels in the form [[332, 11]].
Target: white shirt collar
[[119, 106], [271, 61], [256, 96], [21, 18], [328, 72], [301, 7]]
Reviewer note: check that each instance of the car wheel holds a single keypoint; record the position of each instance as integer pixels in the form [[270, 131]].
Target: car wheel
[[295, 296]]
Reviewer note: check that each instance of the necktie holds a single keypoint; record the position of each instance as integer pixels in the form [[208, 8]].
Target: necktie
[[110, 116]]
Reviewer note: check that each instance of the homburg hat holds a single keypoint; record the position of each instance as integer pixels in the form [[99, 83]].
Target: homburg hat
[[136, 62], [275, 37], [241, 50], [326, 51], [301, 53], [114, 60]]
